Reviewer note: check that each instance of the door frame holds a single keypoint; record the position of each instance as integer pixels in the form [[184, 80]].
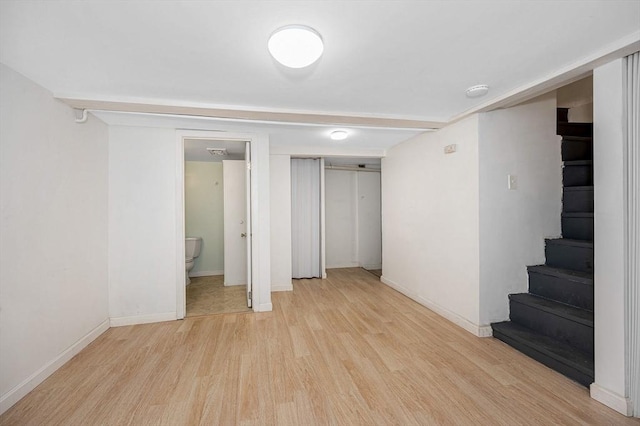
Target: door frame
[[260, 218]]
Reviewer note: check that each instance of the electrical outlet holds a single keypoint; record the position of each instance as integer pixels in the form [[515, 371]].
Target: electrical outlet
[[512, 182], [450, 149]]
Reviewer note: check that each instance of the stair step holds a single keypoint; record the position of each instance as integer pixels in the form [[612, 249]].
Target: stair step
[[568, 324], [577, 173], [571, 313], [559, 356], [574, 129], [577, 199], [562, 285], [579, 163], [577, 225], [562, 115], [571, 254], [577, 138], [577, 148]]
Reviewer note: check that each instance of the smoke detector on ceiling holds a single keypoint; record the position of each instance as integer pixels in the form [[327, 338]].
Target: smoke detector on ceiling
[[477, 91], [217, 151]]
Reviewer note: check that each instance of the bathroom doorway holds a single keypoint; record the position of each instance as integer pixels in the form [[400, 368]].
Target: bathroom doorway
[[216, 211]]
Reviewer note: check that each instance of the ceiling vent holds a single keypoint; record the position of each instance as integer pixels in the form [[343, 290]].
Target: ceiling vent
[[217, 152]]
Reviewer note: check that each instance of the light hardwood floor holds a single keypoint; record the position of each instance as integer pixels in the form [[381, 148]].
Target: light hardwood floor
[[208, 295], [344, 351], [376, 272]]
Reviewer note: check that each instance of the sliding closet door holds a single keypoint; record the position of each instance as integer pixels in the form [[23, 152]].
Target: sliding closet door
[[305, 218]]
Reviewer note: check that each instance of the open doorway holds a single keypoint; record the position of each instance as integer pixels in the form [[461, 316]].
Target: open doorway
[[217, 231], [353, 230]]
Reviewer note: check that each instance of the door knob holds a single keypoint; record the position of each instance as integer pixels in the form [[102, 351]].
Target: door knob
[[243, 235]]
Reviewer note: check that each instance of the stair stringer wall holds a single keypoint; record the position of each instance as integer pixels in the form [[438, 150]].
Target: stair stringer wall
[[466, 256], [518, 141], [431, 245]]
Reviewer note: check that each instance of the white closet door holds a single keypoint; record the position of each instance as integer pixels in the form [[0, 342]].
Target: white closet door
[[305, 218]]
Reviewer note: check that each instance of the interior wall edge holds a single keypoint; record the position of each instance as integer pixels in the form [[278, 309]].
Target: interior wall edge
[[142, 319], [611, 399], [475, 329], [281, 287], [18, 392]]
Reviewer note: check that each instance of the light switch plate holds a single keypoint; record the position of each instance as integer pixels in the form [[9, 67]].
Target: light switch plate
[[512, 182]]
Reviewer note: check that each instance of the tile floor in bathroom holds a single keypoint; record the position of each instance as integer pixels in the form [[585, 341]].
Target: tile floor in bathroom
[[208, 295]]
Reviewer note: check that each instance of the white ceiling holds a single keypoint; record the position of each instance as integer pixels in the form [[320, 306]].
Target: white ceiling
[[397, 59]]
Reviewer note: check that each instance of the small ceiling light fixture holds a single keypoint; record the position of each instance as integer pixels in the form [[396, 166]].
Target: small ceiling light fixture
[[477, 91], [339, 135], [296, 46], [217, 151]]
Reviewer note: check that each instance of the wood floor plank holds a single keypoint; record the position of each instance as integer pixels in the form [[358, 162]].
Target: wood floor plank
[[347, 350]]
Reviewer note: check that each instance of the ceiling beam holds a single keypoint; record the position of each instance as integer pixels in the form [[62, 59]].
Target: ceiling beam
[[253, 115]]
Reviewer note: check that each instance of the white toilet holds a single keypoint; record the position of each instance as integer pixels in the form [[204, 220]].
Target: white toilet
[[192, 250]]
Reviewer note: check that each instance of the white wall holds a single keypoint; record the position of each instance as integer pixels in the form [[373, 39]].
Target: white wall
[[430, 224], [578, 97], [369, 220], [609, 237], [456, 238], [581, 114], [341, 212], [203, 190], [53, 263], [519, 141], [353, 219], [280, 192], [142, 225], [575, 94]]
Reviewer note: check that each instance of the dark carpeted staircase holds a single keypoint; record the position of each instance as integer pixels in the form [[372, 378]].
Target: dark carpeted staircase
[[553, 323]]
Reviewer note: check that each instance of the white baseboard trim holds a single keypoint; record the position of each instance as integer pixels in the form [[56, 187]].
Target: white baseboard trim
[[282, 287], [142, 319], [233, 284], [264, 307], [205, 273], [475, 329], [611, 399], [14, 395], [344, 265]]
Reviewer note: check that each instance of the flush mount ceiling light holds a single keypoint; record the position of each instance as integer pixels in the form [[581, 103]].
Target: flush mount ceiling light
[[217, 151], [339, 135], [477, 91], [296, 46]]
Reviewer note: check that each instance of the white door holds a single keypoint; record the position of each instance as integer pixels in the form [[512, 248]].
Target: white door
[[306, 256], [247, 168], [235, 222]]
